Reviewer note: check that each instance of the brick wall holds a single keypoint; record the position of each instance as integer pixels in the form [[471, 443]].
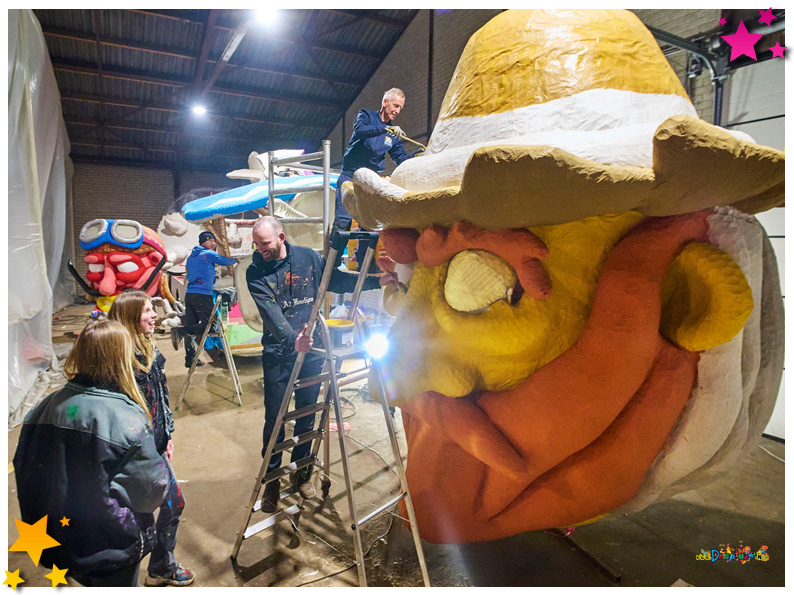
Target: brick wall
[[688, 24], [140, 194]]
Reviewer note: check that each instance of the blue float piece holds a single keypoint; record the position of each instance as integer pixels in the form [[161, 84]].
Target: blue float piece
[[246, 198]]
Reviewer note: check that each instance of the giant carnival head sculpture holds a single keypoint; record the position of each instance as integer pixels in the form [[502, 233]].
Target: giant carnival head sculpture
[[594, 318], [122, 254]]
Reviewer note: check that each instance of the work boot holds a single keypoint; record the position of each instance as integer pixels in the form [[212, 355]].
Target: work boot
[[302, 482], [269, 502], [217, 354], [176, 337]]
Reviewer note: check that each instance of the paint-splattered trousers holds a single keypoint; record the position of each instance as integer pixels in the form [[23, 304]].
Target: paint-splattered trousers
[[162, 561]]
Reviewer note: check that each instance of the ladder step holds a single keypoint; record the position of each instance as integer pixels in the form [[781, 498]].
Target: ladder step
[[271, 521], [285, 493], [304, 411], [311, 380], [296, 440], [287, 469], [375, 513], [354, 351]]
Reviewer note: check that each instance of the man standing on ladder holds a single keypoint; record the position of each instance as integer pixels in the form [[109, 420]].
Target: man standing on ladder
[[373, 136], [200, 268], [284, 281]]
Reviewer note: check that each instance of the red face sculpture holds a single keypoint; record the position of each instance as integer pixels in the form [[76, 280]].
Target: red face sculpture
[[123, 254]]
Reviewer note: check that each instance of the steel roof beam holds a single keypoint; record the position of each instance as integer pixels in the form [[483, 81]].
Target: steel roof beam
[[75, 121], [369, 15], [251, 92], [170, 107], [330, 47], [178, 53]]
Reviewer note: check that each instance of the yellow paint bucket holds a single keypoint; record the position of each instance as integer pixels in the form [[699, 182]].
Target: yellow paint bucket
[[341, 331]]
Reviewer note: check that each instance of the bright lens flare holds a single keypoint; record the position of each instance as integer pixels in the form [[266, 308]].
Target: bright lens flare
[[377, 346], [267, 16]]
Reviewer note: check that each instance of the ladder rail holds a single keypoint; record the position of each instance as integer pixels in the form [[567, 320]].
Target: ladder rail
[[331, 379], [340, 430], [238, 387]]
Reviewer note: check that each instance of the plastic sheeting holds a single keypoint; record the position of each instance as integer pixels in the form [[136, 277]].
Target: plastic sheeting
[[39, 193]]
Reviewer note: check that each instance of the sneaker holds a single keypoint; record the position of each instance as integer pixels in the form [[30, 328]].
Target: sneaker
[[176, 338], [269, 502], [180, 577], [198, 363], [303, 484]]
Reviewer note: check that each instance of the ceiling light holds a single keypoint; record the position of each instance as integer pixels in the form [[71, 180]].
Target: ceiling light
[[267, 16], [199, 110]]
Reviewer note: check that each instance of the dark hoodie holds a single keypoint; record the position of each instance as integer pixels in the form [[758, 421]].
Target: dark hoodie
[[284, 292]]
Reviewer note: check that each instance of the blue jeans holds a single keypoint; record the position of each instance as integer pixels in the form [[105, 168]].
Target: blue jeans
[[277, 372], [162, 561]]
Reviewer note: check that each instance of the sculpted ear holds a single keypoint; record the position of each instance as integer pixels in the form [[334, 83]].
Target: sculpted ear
[[705, 298]]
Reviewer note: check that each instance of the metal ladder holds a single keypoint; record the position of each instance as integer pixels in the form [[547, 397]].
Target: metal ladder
[[215, 316], [332, 379]]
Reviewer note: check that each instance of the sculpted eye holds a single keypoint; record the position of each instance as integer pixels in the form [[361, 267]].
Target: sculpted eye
[[96, 268], [476, 279], [127, 267]]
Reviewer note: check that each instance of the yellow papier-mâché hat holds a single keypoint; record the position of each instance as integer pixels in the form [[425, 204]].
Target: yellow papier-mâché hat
[[557, 115]]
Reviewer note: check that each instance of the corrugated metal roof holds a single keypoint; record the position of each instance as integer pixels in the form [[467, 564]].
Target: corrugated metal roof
[[283, 87]]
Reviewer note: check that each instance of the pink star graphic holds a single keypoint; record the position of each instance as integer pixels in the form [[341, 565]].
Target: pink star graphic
[[742, 42], [723, 21], [766, 17], [777, 50]]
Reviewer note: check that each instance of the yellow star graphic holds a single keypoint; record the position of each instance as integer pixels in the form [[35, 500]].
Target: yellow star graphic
[[65, 522], [13, 579], [33, 539], [57, 576]]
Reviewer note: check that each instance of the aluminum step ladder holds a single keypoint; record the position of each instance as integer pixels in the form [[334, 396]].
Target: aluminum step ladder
[[221, 333], [332, 379]]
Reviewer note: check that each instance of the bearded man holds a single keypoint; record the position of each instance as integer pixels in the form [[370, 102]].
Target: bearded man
[[284, 281]]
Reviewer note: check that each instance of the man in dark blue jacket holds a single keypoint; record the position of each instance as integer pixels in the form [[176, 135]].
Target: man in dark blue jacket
[[200, 267], [284, 281], [373, 137]]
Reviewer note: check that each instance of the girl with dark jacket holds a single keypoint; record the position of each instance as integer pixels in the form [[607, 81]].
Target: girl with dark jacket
[[135, 312], [87, 453]]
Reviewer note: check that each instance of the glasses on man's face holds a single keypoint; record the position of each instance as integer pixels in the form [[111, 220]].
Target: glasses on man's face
[[120, 232]]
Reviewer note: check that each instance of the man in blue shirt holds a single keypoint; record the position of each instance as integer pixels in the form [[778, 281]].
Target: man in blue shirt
[[200, 267], [373, 137]]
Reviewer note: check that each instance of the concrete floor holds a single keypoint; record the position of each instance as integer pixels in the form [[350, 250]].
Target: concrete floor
[[217, 459]]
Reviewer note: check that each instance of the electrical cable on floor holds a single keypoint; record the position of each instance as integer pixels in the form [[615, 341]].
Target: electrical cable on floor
[[376, 452], [771, 455], [366, 553]]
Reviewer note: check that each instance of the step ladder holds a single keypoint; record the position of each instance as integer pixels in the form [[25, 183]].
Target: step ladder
[[332, 379], [221, 333]]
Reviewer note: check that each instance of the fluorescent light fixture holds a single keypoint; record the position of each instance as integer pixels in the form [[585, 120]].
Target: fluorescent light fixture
[[377, 346], [199, 110], [267, 16]]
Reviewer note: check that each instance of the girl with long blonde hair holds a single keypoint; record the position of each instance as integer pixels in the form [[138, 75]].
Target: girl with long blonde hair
[[135, 312], [87, 453]]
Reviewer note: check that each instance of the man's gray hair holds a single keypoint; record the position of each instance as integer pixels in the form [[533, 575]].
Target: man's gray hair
[[392, 93], [272, 222]]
